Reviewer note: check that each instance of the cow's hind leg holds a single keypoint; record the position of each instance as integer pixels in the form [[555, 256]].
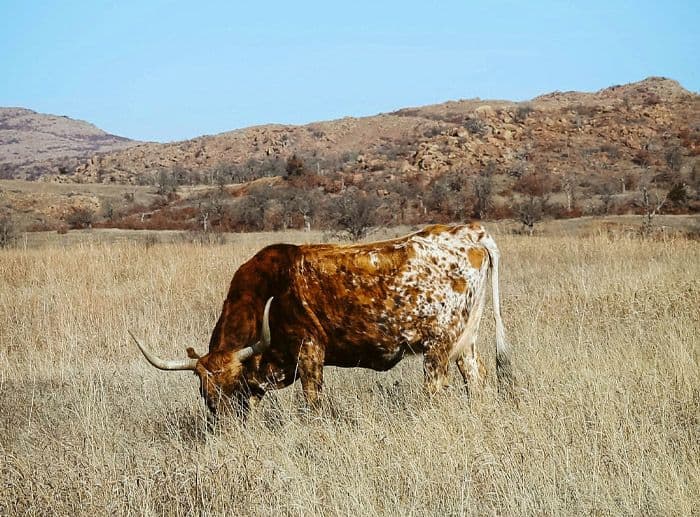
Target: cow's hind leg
[[468, 362], [472, 369], [310, 367], [435, 368]]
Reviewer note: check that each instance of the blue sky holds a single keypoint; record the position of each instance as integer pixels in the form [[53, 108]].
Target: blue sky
[[169, 70]]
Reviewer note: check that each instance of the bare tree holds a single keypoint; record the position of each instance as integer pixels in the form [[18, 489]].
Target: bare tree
[[248, 213], [306, 207], [531, 211], [298, 206], [166, 183], [674, 159], [222, 174], [606, 199], [179, 174], [399, 195], [437, 198], [568, 185], [483, 187], [212, 209], [355, 213], [651, 204], [204, 219]]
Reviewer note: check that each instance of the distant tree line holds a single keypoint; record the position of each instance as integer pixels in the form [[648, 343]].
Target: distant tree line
[[319, 193]]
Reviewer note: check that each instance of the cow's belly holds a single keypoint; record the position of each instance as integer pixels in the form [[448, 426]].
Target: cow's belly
[[376, 356], [381, 342]]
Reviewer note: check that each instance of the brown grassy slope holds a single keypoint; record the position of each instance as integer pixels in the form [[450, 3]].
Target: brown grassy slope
[[32, 144], [37, 204], [605, 341]]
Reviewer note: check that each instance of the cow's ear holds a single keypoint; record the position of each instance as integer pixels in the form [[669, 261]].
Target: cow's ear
[[192, 354]]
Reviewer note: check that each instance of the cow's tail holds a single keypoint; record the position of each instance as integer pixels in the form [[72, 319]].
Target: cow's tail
[[504, 370]]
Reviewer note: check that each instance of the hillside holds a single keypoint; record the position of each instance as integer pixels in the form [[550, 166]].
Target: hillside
[[620, 150], [33, 144], [557, 131]]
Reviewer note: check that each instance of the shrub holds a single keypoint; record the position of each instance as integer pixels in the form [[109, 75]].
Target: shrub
[[678, 195], [522, 113], [81, 217], [652, 99], [611, 150], [295, 166], [450, 197], [476, 126], [535, 184], [643, 158], [8, 231], [433, 131], [585, 111]]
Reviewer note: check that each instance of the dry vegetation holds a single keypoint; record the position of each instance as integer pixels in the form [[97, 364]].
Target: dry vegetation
[[622, 150], [605, 336]]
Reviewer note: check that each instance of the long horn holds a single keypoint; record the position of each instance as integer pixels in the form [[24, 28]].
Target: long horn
[[259, 347], [164, 364]]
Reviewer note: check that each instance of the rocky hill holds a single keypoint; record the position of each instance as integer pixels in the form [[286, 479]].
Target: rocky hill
[[559, 132], [621, 150], [33, 144]]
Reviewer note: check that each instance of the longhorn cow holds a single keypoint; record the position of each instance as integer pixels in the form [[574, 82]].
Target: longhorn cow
[[293, 309]]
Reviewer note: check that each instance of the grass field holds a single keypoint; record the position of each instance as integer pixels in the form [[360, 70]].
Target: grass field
[[605, 335]]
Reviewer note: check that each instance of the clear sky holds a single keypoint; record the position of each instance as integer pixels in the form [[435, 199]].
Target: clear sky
[[169, 70]]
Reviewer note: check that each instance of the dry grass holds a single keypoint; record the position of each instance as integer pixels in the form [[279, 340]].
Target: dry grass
[[605, 336]]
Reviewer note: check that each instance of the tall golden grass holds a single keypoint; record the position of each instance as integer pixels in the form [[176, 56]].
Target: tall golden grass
[[607, 420]]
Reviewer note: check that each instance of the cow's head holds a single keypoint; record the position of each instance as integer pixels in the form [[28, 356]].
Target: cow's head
[[222, 380]]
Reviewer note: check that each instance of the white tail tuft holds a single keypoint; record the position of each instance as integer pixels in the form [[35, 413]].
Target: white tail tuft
[[503, 367]]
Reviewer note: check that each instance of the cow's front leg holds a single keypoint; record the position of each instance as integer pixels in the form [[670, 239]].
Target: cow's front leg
[[472, 369], [435, 368], [310, 364]]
